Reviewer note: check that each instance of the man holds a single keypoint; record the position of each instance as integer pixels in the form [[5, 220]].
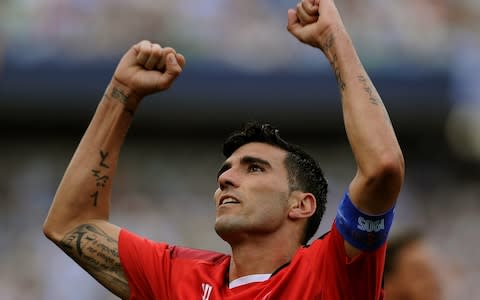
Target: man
[[269, 200], [411, 271]]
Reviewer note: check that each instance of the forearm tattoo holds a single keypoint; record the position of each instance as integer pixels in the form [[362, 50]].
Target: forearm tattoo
[[373, 96], [367, 87], [119, 95], [97, 253], [101, 178], [338, 75], [327, 47]]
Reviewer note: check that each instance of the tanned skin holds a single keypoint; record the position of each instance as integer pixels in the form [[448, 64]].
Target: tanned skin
[[380, 165], [78, 220]]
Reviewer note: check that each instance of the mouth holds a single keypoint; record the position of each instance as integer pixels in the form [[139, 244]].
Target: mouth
[[225, 200]]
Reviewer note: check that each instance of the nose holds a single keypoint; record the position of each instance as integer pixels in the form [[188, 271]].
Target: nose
[[228, 178]]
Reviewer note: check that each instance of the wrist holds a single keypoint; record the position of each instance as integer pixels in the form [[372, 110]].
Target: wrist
[[121, 93], [331, 38]]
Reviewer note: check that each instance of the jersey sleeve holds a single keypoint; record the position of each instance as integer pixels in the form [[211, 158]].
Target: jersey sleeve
[[358, 278], [146, 265]]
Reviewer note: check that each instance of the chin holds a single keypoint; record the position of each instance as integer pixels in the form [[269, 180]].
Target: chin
[[228, 229]]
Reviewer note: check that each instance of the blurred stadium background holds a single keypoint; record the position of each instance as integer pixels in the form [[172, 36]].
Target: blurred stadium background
[[56, 57]]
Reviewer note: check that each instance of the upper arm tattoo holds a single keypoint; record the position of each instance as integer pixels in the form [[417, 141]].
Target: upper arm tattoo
[[97, 253]]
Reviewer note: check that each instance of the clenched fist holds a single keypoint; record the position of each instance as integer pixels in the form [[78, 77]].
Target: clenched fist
[[147, 68], [312, 21]]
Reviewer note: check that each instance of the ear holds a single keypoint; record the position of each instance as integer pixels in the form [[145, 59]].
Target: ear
[[302, 205]]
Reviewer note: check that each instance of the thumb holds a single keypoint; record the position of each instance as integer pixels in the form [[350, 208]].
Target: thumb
[[173, 68]]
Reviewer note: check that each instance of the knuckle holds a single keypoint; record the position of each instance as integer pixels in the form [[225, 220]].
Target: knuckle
[[156, 50], [146, 48], [156, 47], [145, 44]]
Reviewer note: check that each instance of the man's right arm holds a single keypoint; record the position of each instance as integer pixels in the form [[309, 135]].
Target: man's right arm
[[78, 218]]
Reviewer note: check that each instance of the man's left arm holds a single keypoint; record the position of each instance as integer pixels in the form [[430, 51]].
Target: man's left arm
[[380, 164]]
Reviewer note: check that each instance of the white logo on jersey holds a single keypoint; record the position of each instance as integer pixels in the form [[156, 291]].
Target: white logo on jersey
[[370, 226], [267, 296], [207, 290]]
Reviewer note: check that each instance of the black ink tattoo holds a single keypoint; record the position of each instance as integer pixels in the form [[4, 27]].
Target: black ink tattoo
[[100, 179], [97, 252], [94, 247], [327, 47], [118, 94], [122, 97], [338, 75], [103, 156], [94, 196], [374, 99]]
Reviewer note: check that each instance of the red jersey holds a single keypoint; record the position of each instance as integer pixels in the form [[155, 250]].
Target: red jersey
[[321, 271]]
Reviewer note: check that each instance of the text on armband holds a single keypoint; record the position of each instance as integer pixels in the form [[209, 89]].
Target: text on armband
[[371, 226]]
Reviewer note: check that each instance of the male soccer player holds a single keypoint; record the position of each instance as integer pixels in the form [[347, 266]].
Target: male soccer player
[[269, 201]]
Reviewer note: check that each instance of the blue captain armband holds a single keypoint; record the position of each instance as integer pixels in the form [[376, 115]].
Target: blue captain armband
[[362, 231]]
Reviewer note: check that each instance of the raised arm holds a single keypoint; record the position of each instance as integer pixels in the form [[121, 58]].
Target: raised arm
[[78, 218], [380, 165]]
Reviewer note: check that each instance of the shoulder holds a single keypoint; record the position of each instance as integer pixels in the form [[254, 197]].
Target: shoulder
[[206, 256], [323, 241], [132, 242], [317, 250]]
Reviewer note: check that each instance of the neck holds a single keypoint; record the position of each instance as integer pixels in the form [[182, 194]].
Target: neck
[[260, 255]]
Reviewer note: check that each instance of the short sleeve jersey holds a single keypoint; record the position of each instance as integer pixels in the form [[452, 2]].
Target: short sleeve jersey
[[320, 271]]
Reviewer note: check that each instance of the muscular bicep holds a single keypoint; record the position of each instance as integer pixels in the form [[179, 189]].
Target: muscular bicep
[[374, 196], [364, 227], [94, 246]]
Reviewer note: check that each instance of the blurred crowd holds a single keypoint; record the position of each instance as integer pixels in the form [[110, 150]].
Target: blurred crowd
[[247, 34], [164, 194]]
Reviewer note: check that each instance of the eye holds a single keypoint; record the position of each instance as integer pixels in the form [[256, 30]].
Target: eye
[[255, 168]]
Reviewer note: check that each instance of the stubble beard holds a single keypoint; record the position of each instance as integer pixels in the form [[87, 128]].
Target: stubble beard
[[229, 229]]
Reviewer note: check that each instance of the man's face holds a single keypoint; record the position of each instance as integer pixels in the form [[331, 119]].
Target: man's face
[[252, 197]]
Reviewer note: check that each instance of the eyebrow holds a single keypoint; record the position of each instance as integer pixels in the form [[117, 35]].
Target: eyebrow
[[246, 160]]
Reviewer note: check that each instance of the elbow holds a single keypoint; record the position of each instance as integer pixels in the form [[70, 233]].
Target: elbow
[[50, 233], [392, 167], [380, 183], [52, 230], [390, 171], [387, 174]]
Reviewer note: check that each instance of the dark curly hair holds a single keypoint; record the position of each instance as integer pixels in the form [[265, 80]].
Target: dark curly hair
[[304, 173]]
